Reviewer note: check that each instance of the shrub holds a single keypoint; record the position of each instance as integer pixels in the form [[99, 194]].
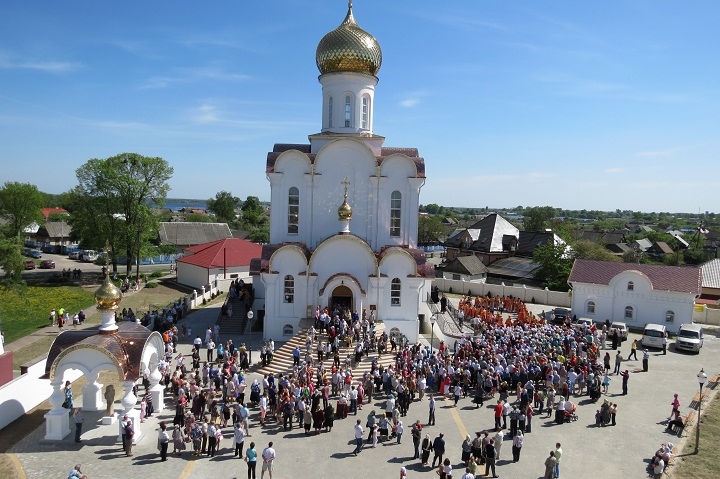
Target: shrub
[[157, 274], [151, 285]]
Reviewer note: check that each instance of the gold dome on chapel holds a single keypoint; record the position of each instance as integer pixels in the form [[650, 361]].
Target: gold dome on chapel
[[108, 296], [348, 48], [345, 211]]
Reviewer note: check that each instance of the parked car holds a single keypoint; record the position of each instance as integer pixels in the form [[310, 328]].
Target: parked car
[[89, 256], [29, 264], [584, 323], [689, 337], [47, 264], [33, 253], [560, 315], [620, 328], [74, 255], [654, 335]]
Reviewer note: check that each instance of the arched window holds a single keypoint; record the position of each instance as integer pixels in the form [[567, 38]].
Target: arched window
[[289, 296], [395, 292], [293, 210], [590, 307], [631, 286], [669, 316], [395, 216], [365, 112], [348, 111], [288, 330], [330, 112], [629, 312]]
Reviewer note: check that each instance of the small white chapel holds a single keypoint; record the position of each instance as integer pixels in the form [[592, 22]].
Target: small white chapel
[[344, 207]]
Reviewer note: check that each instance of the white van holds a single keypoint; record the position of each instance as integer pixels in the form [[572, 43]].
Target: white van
[[89, 255], [654, 335], [689, 337]]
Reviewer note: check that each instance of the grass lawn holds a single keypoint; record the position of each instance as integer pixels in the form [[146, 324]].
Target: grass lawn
[[703, 465], [24, 313]]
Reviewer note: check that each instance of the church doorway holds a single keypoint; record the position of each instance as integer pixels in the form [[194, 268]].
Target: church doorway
[[342, 298]]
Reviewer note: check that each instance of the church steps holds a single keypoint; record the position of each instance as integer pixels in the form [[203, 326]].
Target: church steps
[[283, 360]]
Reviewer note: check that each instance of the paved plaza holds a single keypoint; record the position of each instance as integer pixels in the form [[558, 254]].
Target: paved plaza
[[612, 452]]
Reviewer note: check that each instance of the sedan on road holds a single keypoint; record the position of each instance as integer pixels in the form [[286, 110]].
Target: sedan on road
[[47, 264], [29, 264]]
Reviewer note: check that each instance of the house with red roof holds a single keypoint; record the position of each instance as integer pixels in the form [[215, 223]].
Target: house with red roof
[[220, 261], [46, 212], [635, 294]]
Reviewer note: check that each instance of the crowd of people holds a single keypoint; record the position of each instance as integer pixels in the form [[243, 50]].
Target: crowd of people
[[520, 362]]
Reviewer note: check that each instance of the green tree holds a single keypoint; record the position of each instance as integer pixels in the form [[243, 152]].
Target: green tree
[[584, 249], [254, 220], [198, 218], [109, 203], [433, 209], [695, 255], [12, 263], [20, 205], [223, 206], [430, 230], [555, 264], [537, 217]]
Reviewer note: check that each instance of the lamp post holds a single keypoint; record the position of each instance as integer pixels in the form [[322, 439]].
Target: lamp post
[[432, 332], [702, 377]]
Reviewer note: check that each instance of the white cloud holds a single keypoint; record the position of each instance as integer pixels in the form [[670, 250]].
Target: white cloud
[[613, 171], [45, 66], [413, 99], [187, 75]]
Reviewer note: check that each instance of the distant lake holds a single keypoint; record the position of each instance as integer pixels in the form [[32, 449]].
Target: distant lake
[[177, 204]]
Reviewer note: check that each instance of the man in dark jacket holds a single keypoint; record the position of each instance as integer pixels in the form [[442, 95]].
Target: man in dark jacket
[[490, 458], [438, 446]]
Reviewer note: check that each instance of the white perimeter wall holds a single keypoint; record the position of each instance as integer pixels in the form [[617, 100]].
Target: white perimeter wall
[[22, 394]]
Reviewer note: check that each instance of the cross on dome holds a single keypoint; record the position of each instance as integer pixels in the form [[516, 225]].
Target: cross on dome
[[346, 182]]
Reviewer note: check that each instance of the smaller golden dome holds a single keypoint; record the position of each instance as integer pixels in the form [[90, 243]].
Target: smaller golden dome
[[108, 296], [345, 211]]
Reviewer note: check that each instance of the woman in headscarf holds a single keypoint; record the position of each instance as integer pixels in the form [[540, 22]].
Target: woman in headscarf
[[426, 445]]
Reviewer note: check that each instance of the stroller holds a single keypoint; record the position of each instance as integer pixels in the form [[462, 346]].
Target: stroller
[[571, 415]]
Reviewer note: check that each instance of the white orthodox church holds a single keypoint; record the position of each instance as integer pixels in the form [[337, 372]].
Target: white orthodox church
[[344, 207]]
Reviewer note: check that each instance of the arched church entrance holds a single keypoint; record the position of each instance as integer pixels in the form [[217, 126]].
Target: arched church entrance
[[341, 298]]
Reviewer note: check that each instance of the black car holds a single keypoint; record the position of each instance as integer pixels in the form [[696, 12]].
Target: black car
[[560, 315]]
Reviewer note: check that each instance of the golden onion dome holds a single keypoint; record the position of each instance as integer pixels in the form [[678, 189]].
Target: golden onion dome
[[108, 296], [345, 211], [348, 48]]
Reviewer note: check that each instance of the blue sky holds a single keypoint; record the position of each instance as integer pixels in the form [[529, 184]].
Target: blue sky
[[594, 105]]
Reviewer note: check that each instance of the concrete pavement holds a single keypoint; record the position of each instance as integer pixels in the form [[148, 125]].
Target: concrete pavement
[[612, 452]]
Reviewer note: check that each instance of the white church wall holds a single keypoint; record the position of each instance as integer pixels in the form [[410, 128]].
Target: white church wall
[[343, 254], [395, 171], [290, 170], [338, 160], [340, 85], [289, 261]]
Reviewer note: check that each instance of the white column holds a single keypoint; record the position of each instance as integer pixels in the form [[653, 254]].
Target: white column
[[57, 420], [128, 403], [107, 321], [157, 390], [92, 395]]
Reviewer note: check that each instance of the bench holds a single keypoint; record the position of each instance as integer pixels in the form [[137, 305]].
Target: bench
[[687, 420], [713, 383], [697, 399]]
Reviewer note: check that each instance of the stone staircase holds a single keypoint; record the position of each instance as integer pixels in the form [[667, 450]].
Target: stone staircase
[[234, 325], [283, 360]]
